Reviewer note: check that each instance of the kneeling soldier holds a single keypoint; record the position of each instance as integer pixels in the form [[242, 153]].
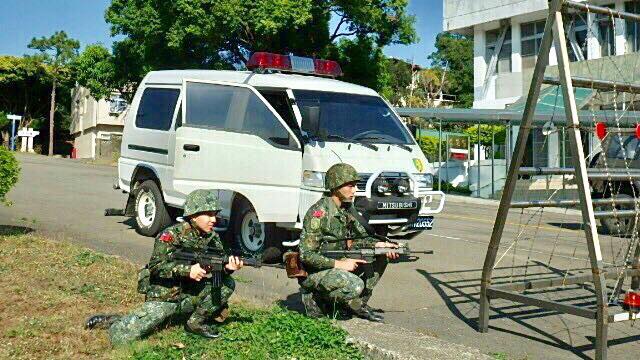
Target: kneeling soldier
[[332, 224], [175, 289]]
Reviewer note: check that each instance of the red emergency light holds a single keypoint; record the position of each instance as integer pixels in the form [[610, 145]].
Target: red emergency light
[[631, 301], [601, 130], [295, 64]]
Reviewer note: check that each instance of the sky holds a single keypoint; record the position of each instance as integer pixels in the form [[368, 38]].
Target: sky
[[21, 20]]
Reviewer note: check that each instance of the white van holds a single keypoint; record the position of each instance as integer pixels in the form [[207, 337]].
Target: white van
[[265, 139]]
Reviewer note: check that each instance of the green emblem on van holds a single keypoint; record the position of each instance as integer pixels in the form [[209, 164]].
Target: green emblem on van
[[418, 164]]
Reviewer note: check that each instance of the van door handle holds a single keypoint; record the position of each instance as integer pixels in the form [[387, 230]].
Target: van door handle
[[191, 147]]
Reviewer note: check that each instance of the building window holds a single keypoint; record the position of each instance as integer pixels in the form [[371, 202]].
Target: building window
[[117, 104], [606, 33], [531, 38], [577, 35], [504, 58], [632, 28]]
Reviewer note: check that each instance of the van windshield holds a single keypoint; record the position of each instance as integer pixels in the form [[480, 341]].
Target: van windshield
[[353, 117]]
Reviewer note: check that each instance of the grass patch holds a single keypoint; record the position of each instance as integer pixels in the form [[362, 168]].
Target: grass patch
[[48, 289]]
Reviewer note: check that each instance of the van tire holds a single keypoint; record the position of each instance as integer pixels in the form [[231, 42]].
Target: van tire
[[252, 237], [620, 226], [151, 213]]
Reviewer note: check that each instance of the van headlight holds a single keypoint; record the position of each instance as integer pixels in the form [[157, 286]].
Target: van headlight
[[424, 180], [314, 179]]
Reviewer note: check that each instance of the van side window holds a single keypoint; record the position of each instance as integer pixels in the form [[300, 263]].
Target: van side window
[[156, 108], [232, 108]]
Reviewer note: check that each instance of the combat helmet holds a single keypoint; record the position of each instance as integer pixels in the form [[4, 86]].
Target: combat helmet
[[200, 201], [338, 175]]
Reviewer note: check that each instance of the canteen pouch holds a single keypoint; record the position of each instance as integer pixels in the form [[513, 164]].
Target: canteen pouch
[[293, 265], [144, 280]]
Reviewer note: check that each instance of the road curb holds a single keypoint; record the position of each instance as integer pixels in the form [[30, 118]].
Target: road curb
[[380, 341]]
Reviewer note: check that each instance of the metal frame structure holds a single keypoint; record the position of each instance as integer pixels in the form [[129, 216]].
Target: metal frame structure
[[554, 34]]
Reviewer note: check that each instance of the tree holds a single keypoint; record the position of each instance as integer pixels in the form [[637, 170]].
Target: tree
[[221, 34], [24, 90], [454, 53], [57, 51], [363, 63], [95, 69]]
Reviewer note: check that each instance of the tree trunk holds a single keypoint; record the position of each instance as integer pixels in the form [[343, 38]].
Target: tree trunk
[[51, 116]]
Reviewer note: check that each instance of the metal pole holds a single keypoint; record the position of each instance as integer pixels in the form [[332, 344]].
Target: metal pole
[[478, 157], [510, 183], [13, 135], [440, 155], [493, 157], [507, 151], [446, 160], [588, 217]]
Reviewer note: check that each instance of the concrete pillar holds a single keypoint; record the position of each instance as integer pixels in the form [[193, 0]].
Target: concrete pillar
[[30, 142], [479, 62], [619, 30], [553, 149], [516, 47], [23, 141], [593, 45]]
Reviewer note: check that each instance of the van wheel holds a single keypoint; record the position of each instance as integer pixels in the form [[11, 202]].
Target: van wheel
[[623, 227], [152, 215], [252, 236]]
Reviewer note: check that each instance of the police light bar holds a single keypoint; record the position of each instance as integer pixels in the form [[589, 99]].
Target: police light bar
[[294, 64]]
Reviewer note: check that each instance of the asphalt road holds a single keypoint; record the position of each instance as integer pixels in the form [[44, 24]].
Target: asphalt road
[[436, 295]]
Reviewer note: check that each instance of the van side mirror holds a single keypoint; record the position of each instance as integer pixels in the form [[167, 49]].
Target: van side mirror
[[311, 119]]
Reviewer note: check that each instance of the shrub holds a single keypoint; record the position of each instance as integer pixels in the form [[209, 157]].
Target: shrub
[[9, 170]]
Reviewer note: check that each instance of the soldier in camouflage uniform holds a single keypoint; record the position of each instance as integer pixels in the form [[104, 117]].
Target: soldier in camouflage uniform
[[330, 224], [172, 289]]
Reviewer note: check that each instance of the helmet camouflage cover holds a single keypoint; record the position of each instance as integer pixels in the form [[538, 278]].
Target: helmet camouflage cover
[[200, 201], [340, 174]]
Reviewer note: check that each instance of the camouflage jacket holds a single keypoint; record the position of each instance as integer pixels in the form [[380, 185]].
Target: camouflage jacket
[[169, 279], [325, 222]]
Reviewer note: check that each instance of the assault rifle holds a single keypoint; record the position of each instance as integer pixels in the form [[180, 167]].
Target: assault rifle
[[369, 254], [294, 267], [213, 262]]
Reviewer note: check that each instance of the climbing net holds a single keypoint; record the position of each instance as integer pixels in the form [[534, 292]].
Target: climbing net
[[579, 167]]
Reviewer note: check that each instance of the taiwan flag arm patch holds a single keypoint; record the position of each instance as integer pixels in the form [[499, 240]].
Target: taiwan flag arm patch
[[318, 214], [166, 237]]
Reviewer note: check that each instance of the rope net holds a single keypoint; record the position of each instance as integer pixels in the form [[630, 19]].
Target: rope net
[[550, 243]]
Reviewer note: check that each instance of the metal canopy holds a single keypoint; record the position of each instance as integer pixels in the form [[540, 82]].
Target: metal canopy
[[549, 107]]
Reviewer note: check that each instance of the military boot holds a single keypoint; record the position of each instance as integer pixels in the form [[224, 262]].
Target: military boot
[[366, 295], [359, 310], [196, 325], [101, 321], [311, 307]]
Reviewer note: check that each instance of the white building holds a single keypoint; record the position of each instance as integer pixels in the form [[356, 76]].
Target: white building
[[590, 36], [96, 124]]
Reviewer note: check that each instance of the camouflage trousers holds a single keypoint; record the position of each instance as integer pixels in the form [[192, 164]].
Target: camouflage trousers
[[152, 314], [341, 287]]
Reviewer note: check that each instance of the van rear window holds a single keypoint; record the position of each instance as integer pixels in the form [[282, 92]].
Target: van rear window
[[156, 108]]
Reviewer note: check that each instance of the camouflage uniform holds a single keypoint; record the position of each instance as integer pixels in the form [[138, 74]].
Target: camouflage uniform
[[324, 222], [171, 292]]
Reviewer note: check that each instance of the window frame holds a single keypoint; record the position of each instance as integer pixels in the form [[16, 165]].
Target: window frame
[[600, 22], [295, 145], [507, 41], [632, 28], [536, 37], [173, 114]]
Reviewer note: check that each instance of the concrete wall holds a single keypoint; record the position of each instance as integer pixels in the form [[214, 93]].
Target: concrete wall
[[86, 112], [92, 124], [462, 15]]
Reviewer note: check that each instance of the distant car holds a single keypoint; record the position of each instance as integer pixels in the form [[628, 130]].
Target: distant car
[[617, 150]]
